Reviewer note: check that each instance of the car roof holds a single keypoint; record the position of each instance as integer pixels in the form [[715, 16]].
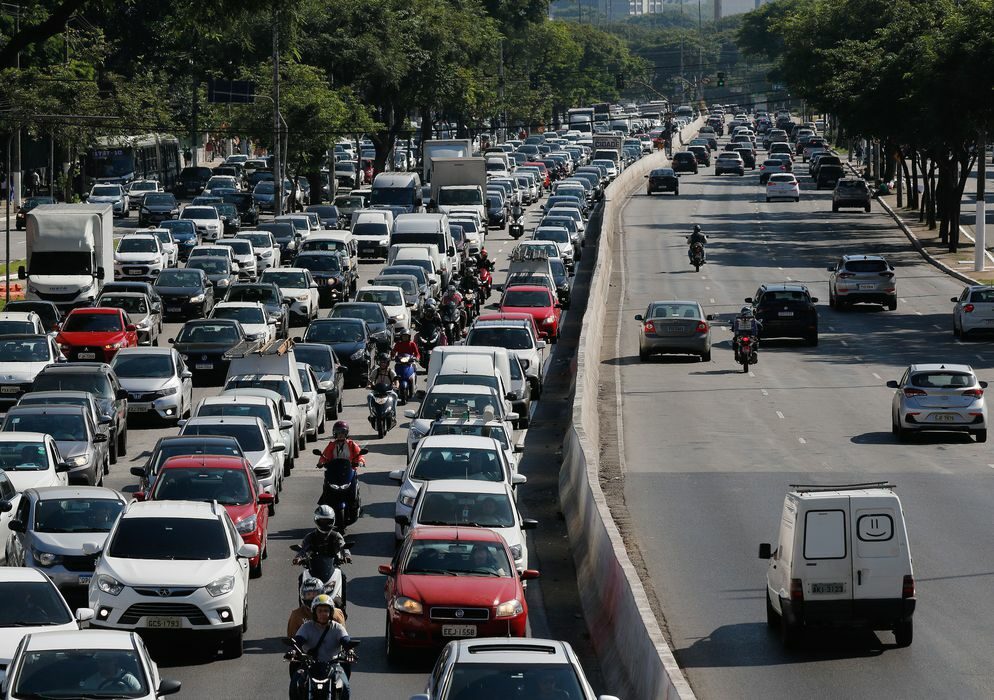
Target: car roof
[[203, 461], [44, 493], [251, 399], [81, 640], [517, 652], [74, 367], [157, 509], [232, 420], [10, 574], [146, 350], [784, 287], [863, 257], [54, 409], [97, 310], [443, 532], [527, 288], [17, 436], [17, 315], [464, 442]]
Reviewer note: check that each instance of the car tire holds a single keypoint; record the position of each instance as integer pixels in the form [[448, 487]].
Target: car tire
[[393, 654], [232, 646], [676, 193], [867, 208], [256, 571], [835, 208], [706, 356], [981, 435], [957, 333], [767, 200], [892, 305], [122, 442], [113, 451], [812, 340], [643, 355], [904, 633], [797, 199], [790, 633], [895, 429], [772, 618]]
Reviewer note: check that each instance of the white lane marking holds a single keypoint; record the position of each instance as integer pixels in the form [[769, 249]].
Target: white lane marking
[[831, 328], [707, 289], [991, 466], [919, 313], [704, 277], [903, 300], [877, 376], [765, 392], [936, 325], [979, 356], [844, 343], [780, 415], [789, 278], [780, 268], [711, 300], [802, 441]]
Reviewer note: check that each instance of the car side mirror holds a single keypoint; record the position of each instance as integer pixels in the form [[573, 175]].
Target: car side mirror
[[247, 551], [529, 524], [6, 506], [402, 520], [409, 413], [167, 686], [121, 394], [511, 416], [171, 341], [131, 328], [279, 447], [830, 268], [63, 467], [385, 569], [396, 475], [21, 273], [186, 374], [748, 300], [518, 479], [638, 317], [892, 384], [83, 614], [529, 574], [139, 495], [364, 451], [138, 471], [301, 400], [266, 499], [955, 300], [16, 526], [100, 437], [983, 385], [765, 551], [814, 300]]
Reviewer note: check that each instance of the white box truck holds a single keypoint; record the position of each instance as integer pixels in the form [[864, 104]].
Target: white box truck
[[609, 146], [70, 253], [459, 184], [442, 148]]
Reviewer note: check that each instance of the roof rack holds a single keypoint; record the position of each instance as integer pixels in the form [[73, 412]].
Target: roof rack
[[808, 488], [247, 348], [528, 252]]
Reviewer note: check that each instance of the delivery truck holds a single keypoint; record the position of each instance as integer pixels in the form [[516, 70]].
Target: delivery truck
[[438, 148], [459, 184]]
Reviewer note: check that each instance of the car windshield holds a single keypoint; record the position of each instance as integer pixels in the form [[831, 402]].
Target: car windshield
[[556, 235], [184, 539], [31, 604], [247, 410], [323, 245], [143, 365], [319, 263], [70, 427], [79, 263], [674, 311], [480, 510], [229, 487], [244, 314], [93, 323], [157, 199], [265, 187], [243, 248], [497, 432], [292, 280], [855, 185], [451, 196], [368, 313], [942, 380], [23, 456], [460, 558], [773, 298], [209, 333], [178, 278], [60, 515], [97, 383], [325, 212], [409, 286], [249, 437], [200, 213], [25, 350], [866, 266], [133, 305], [257, 240], [280, 386], [510, 338], [334, 333], [181, 229], [982, 296], [212, 265], [106, 191], [81, 673], [526, 298], [387, 297], [319, 358]]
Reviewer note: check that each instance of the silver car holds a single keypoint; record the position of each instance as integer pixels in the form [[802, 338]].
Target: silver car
[[69, 398], [939, 397], [315, 401], [244, 256], [141, 312], [80, 443], [973, 310], [157, 380], [862, 278], [110, 194], [674, 327], [53, 523]]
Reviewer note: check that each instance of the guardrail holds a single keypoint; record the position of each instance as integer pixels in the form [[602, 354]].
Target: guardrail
[[635, 659]]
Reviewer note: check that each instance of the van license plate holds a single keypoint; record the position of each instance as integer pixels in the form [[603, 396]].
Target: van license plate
[[164, 623], [458, 630], [828, 588]]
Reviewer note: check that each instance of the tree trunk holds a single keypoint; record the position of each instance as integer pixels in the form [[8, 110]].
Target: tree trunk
[[931, 187], [914, 181], [942, 198]]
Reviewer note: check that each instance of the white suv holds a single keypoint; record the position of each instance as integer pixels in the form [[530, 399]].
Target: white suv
[[173, 565]]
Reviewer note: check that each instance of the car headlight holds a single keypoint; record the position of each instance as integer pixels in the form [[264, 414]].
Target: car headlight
[[80, 461], [407, 500], [46, 559], [109, 584], [247, 525], [407, 605], [213, 226], [549, 319], [186, 358], [302, 297], [416, 434], [268, 253], [197, 299], [166, 392], [384, 241], [357, 355], [510, 608], [221, 586], [112, 346], [223, 282], [515, 551]]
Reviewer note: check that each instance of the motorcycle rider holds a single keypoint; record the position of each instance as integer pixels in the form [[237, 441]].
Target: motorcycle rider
[[405, 346], [430, 322], [310, 589], [697, 236], [342, 447], [452, 296], [383, 373], [322, 638], [745, 324], [484, 260], [323, 540]]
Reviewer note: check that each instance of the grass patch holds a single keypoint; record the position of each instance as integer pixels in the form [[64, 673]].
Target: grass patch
[[14, 264]]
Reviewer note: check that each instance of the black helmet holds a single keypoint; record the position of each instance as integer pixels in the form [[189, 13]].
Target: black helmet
[[383, 357], [697, 228]]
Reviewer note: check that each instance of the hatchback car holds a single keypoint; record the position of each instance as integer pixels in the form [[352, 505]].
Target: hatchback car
[[158, 383], [207, 220], [96, 334], [674, 327], [81, 444], [114, 195], [684, 162], [24, 357], [769, 167], [204, 344], [973, 311], [729, 162], [783, 186], [786, 311], [851, 192], [663, 180], [32, 459], [141, 312], [350, 340], [939, 397], [862, 278], [375, 316], [542, 304]]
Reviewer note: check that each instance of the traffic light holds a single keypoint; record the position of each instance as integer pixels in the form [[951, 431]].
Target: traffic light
[[721, 80]]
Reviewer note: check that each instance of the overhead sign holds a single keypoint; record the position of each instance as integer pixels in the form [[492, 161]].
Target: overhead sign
[[223, 91]]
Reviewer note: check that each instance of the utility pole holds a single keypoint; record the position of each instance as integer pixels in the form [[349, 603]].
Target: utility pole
[[980, 233], [195, 136], [277, 150], [500, 92]]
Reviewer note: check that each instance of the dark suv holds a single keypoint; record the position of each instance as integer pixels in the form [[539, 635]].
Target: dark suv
[[243, 201], [191, 181], [851, 192], [662, 180], [786, 311], [684, 162]]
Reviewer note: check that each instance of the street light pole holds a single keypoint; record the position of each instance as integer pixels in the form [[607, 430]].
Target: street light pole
[[980, 233], [277, 150]]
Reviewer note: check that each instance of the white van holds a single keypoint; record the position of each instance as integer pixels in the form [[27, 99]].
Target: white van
[[371, 228], [433, 229], [420, 255], [340, 241], [497, 358], [842, 559]]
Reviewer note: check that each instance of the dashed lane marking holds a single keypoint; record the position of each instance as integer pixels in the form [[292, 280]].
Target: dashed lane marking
[[780, 415]]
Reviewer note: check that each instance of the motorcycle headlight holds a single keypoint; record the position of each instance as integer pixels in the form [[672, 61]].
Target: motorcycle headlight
[[357, 355], [221, 586], [247, 525], [407, 605], [46, 559], [197, 299], [109, 584], [510, 608], [381, 399]]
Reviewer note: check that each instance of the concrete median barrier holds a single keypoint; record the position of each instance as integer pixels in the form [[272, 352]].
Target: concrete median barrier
[[634, 656]]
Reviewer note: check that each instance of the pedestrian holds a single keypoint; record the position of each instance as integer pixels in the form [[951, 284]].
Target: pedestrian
[[859, 151], [35, 182], [187, 156]]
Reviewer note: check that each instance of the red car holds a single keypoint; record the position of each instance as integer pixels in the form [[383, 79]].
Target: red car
[[448, 583], [546, 182], [227, 480], [96, 334], [539, 303]]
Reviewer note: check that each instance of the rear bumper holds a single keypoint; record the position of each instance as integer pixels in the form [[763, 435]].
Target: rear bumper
[[787, 329], [923, 421], [882, 613], [692, 345], [867, 297]]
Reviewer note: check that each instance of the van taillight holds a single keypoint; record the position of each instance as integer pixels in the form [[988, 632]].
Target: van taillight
[[797, 589], [908, 589]]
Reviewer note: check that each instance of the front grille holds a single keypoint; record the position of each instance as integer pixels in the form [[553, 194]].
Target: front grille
[[172, 592], [139, 610], [82, 563], [143, 396], [51, 296], [467, 614]]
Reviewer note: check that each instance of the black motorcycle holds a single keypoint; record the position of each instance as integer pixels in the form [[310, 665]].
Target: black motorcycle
[[382, 409], [319, 680], [697, 255], [430, 337], [516, 229], [451, 318], [745, 355], [340, 490]]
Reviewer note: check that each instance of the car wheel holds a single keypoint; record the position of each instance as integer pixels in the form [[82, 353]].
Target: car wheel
[[957, 333], [867, 209], [113, 451], [256, 571], [393, 655], [832, 303], [892, 304], [835, 208], [797, 199], [812, 340], [772, 618], [676, 193], [904, 633], [122, 442], [790, 633], [643, 355], [767, 200], [706, 356], [981, 435], [232, 646], [895, 429]]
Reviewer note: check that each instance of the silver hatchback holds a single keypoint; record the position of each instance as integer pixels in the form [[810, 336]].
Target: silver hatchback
[[973, 310], [939, 397], [674, 327], [862, 278]]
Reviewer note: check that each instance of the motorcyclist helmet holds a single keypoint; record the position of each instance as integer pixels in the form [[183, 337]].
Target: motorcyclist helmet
[[404, 333], [697, 228], [325, 600], [324, 518], [340, 430], [484, 254], [746, 311], [310, 589], [383, 358], [451, 289], [431, 305]]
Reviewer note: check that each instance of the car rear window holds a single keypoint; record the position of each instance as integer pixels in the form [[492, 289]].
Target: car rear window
[[866, 266], [983, 296], [782, 177], [853, 185], [942, 380], [675, 311], [784, 296]]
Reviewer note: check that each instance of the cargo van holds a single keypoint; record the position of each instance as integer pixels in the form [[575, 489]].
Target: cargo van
[[429, 228], [416, 255], [338, 241], [497, 357], [371, 228], [397, 190], [842, 559]]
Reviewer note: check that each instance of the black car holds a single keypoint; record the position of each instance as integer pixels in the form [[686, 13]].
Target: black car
[[243, 201], [186, 293], [851, 192], [157, 207], [829, 175], [663, 180], [684, 162], [425, 287], [748, 157], [191, 181], [267, 294], [204, 344], [351, 342], [331, 378], [561, 278], [702, 154], [496, 212], [328, 213], [786, 311], [30, 203], [184, 233], [140, 287], [376, 317], [218, 271], [182, 446], [328, 271], [286, 235], [230, 218], [99, 379], [47, 311]]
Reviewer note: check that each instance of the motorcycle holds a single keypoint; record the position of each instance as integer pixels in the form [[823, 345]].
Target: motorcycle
[[697, 255], [430, 337], [471, 304], [516, 229], [407, 376], [486, 283], [746, 355], [382, 409], [326, 569], [319, 680], [451, 320]]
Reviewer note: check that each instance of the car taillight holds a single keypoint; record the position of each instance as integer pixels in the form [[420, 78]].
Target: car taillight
[[846, 275], [770, 183], [649, 327], [968, 308], [908, 587], [796, 590], [976, 393], [702, 327], [915, 392]]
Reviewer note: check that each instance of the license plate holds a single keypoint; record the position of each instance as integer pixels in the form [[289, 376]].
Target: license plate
[[204, 365], [945, 417], [133, 271], [828, 588], [9, 389], [85, 580], [164, 623], [785, 313], [174, 309], [87, 355], [138, 407], [989, 322], [458, 630], [867, 286]]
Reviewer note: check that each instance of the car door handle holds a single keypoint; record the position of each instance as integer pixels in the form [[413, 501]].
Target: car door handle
[[859, 577]]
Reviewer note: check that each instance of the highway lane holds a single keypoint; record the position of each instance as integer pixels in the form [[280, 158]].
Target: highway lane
[[708, 452], [272, 596]]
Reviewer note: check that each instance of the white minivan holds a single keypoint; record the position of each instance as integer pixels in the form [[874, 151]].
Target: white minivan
[[842, 559]]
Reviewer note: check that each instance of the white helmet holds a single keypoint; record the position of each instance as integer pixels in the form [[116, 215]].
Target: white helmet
[[324, 518]]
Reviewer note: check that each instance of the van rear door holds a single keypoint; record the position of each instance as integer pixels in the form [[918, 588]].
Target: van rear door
[[825, 564], [880, 555]]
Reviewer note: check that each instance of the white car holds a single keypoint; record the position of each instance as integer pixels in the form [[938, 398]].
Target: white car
[[973, 310], [464, 457], [459, 401], [157, 380], [222, 182], [299, 287], [609, 165], [282, 386], [265, 247], [315, 401], [191, 551], [264, 408], [480, 427], [561, 237], [168, 243], [244, 255], [110, 194], [251, 314], [392, 299], [783, 186], [48, 611], [20, 323], [21, 359], [207, 221], [139, 256], [31, 460], [137, 189]]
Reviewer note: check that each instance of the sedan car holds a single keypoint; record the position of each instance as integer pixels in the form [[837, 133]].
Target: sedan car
[[939, 397], [186, 293], [158, 383], [663, 180], [537, 301], [786, 311], [145, 317], [674, 327], [139, 189], [862, 278], [327, 372], [244, 255], [269, 296], [449, 583], [156, 207], [265, 248], [350, 340], [184, 233], [82, 446], [783, 186], [769, 167], [96, 334], [27, 205], [973, 311], [24, 356], [203, 344]]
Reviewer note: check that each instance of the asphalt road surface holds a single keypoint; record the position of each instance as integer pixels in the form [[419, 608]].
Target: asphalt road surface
[[709, 451]]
